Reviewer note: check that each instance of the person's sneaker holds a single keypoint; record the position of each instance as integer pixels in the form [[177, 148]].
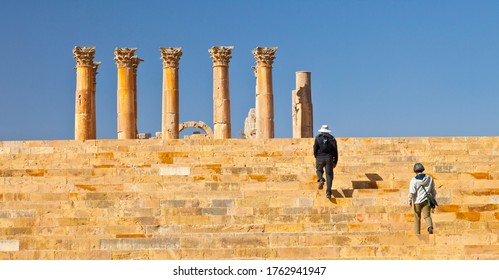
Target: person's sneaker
[[430, 230], [321, 184], [328, 195]]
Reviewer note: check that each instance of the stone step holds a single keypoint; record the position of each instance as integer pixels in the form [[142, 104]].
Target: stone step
[[267, 246], [258, 199]]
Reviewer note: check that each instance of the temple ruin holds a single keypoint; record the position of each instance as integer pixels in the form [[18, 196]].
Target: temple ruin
[[202, 198], [260, 124]]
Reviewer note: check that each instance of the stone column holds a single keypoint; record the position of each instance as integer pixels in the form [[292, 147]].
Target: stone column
[[221, 95], [170, 100], [302, 106], [135, 65], [126, 61], [86, 69], [264, 92], [93, 122]]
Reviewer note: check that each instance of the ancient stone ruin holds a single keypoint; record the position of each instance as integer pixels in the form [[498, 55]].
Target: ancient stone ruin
[[211, 198], [127, 63]]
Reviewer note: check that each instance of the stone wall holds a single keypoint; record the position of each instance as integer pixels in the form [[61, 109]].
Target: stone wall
[[243, 199]]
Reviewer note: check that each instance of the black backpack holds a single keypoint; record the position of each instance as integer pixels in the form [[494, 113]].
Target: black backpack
[[325, 145]]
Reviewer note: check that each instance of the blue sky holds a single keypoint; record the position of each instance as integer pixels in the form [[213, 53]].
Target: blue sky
[[379, 68]]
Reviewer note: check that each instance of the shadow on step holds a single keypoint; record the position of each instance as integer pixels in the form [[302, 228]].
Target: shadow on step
[[359, 185], [370, 184]]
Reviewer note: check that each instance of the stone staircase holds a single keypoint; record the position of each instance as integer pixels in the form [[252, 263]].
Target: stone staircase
[[244, 199]]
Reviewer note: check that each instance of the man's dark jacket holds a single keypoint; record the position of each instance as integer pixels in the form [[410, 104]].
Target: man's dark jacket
[[333, 153]]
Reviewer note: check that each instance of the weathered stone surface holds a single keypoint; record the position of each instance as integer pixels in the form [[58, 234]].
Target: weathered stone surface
[[223, 203], [230, 198], [174, 171], [170, 98], [127, 63], [302, 109], [221, 93], [9, 245], [86, 70], [264, 109], [123, 244]]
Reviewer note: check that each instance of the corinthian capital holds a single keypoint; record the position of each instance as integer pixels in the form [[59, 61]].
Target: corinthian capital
[[170, 56], [264, 56], [124, 57], [220, 55], [135, 62], [96, 65], [84, 56]]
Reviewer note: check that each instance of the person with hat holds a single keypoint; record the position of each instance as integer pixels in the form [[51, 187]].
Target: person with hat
[[418, 187], [326, 156]]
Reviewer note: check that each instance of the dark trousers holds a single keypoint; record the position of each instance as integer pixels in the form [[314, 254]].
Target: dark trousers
[[320, 164]]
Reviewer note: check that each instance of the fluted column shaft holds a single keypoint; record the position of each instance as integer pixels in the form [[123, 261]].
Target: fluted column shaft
[[302, 111], [93, 114], [135, 66], [86, 70], [221, 92], [126, 101], [264, 105], [170, 96]]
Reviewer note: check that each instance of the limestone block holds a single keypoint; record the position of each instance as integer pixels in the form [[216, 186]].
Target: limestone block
[[181, 212], [208, 195], [9, 245], [14, 214], [358, 251], [369, 227], [440, 250], [191, 254], [188, 220], [33, 255], [480, 250], [284, 240], [493, 199], [175, 171], [311, 253], [168, 254], [401, 239], [172, 203], [241, 240], [283, 227], [199, 242], [48, 197], [206, 170], [83, 255], [41, 150], [130, 255], [121, 244], [240, 211], [396, 251], [223, 203], [305, 202], [444, 217], [210, 254], [255, 253]]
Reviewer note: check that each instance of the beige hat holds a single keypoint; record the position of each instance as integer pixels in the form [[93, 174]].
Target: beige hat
[[325, 128]]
